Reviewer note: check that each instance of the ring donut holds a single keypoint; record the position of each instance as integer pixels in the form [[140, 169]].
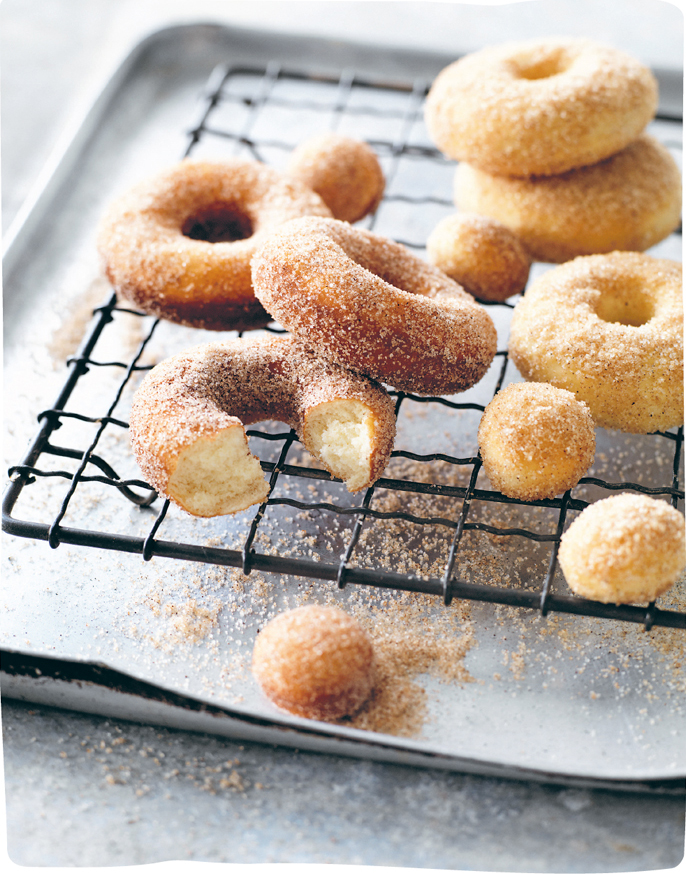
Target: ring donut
[[540, 107], [627, 202], [608, 328], [369, 304], [179, 245], [188, 415]]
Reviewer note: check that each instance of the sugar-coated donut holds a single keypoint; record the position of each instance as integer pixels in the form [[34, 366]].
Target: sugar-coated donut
[[369, 304], [540, 107], [625, 549], [344, 172], [610, 329], [188, 415], [628, 202], [486, 258], [315, 661], [536, 441], [179, 245]]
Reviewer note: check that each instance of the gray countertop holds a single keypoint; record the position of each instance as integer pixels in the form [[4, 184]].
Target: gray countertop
[[83, 790]]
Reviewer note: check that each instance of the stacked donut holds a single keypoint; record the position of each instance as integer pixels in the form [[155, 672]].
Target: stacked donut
[[551, 141]]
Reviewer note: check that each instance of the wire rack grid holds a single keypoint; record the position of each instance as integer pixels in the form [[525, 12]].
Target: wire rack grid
[[241, 108]]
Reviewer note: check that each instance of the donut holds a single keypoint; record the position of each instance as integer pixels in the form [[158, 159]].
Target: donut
[[608, 328], [536, 441], [188, 415], [628, 202], [315, 661], [481, 254], [178, 246], [344, 172], [367, 303], [624, 549], [540, 107]]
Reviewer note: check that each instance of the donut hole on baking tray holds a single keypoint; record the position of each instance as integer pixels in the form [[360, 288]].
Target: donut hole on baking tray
[[625, 304], [218, 223]]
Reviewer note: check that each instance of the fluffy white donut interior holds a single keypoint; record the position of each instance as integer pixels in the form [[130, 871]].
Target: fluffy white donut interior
[[340, 434], [218, 475]]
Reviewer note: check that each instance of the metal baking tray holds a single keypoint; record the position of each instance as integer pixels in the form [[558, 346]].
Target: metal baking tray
[[117, 603]]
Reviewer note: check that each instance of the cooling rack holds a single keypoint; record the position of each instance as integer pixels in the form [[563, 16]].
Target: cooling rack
[[263, 112]]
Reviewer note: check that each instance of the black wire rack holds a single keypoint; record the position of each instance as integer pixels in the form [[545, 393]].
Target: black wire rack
[[388, 115]]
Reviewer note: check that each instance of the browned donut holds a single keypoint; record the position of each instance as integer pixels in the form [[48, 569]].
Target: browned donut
[[179, 245], [369, 304], [188, 416], [314, 661]]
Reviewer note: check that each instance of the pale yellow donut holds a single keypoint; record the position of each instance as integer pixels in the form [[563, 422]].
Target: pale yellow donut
[[540, 107], [536, 441], [316, 662], [344, 172], [610, 329], [628, 202], [179, 244], [188, 416], [370, 304], [486, 258], [624, 549]]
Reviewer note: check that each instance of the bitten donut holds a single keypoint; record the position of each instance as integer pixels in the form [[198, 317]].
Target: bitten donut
[[540, 107], [367, 303], [608, 328], [627, 202], [536, 441], [481, 254], [179, 245], [344, 172], [624, 549], [315, 661], [188, 416]]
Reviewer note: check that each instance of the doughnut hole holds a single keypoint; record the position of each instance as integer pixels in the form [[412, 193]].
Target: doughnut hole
[[315, 661], [340, 434], [540, 63], [536, 441], [624, 549], [484, 256], [344, 172], [218, 223], [217, 475]]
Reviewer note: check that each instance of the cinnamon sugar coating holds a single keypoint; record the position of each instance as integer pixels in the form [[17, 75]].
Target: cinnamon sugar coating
[[188, 416], [367, 303], [536, 441], [624, 549], [315, 661], [540, 107], [610, 329], [628, 202], [486, 258], [179, 245], [344, 172]]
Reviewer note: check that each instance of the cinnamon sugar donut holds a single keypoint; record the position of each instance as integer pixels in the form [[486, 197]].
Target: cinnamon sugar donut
[[627, 202], [369, 304], [536, 441], [188, 416], [610, 329], [481, 254], [179, 245], [344, 172], [314, 661], [540, 107], [624, 549]]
